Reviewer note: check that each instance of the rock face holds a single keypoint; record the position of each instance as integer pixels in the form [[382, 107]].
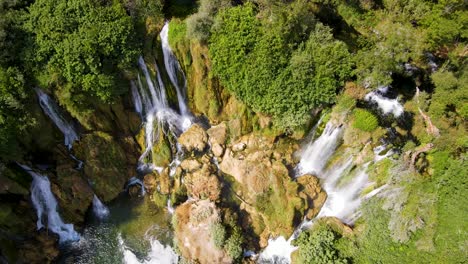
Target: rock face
[[203, 183], [312, 193], [273, 202], [108, 164], [194, 139], [193, 222]]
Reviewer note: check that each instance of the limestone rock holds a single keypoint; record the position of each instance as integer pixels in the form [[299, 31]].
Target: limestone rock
[[239, 147], [190, 165], [218, 134], [311, 191], [217, 150], [194, 139], [194, 240], [150, 182], [203, 183]]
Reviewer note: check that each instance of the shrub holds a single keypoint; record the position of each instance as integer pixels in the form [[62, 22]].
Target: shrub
[[365, 121], [234, 244], [319, 246], [218, 233], [177, 32], [279, 72]]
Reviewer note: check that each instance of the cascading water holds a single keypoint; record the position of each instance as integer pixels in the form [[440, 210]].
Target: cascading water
[[151, 102], [343, 192], [385, 104], [99, 209], [176, 75], [316, 154], [52, 110], [158, 254], [46, 205]]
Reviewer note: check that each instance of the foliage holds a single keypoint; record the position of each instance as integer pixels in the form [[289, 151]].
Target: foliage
[[85, 44], [263, 65], [199, 24], [177, 32], [365, 120], [234, 244], [319, 245], [218, 233]]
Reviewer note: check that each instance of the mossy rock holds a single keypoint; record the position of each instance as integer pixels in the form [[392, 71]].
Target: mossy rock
[[106, 164]]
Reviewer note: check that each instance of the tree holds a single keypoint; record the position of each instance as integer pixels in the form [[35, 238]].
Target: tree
[[85, 43], [284, 65], [318, 246]]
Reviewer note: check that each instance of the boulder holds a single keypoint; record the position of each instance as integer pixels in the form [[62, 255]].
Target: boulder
[[203, 183], [150, 182], [190, 165], [239, 147], [194, 139], [311, 191], [218, 134], [217, 150], [192, 235]]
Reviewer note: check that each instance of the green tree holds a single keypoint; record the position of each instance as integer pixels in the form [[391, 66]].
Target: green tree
[[85, 43], [318, 246], [284, 65]]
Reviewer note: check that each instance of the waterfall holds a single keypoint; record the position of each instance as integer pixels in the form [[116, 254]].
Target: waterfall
[[174, 70], [278, 251], [170, 208], [52, 110], [343, 201], [158, 254], [99, 209], [46, 205], [151, 102], [385, 104], [316, 154]]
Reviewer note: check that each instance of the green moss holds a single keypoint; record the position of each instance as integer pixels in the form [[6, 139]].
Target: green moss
[[177, 32], [218, 233], [365, 120], [162, 153]]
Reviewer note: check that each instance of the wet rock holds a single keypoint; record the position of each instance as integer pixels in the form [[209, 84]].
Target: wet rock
[[107, 163], [194, 139], [311, 192], [192, 232], [150, 182]]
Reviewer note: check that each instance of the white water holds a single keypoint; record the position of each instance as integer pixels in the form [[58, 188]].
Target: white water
[[52, 110], [386, 105], [170, 208], [46, 206], [99, 209], [278, 251], [316, 154], [158, 254], [151, 102], [174, 70]]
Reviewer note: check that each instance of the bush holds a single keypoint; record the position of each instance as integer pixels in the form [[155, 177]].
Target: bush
[[364, 120], [218, 233], [86, 43], [319, 246], [234, 244], [177, 32], [283, 68]]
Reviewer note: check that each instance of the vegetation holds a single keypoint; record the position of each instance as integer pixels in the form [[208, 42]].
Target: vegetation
[[282, 73], [319, 245], [365, 120], [218, 232]]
